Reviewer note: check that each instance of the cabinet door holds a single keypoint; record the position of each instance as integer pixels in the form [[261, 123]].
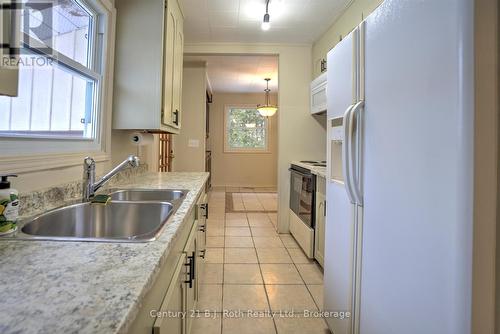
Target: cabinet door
[[178, 67], [9, 35], [170, 26], [173, 322], [319, 242], [191, 281], [201, 214]]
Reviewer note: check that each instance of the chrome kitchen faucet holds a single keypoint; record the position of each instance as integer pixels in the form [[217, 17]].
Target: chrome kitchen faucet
[[90, 186]]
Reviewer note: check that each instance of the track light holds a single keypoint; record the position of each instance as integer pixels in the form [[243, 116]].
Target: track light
[[266, 24]]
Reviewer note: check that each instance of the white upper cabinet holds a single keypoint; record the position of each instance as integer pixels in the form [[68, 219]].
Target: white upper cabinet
[[9, 38], [318, 94], [148, 65]]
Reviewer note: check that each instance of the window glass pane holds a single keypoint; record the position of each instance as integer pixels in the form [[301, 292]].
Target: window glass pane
[[246, 129], [61, 25], [52, 101]]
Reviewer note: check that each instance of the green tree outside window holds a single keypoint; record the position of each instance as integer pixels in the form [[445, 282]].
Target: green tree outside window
[[246, 129]]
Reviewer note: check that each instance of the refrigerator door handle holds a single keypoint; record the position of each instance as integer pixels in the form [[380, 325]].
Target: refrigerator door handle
[[345, 155], [354, 178]]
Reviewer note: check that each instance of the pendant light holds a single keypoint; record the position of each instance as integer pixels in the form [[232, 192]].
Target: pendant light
[[267, 109], [266, 24]]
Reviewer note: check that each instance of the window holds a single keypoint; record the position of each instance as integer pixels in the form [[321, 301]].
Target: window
[[245, 130], [59, 73]]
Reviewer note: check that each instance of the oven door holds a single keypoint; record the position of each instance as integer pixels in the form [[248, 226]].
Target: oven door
[[302, 194]]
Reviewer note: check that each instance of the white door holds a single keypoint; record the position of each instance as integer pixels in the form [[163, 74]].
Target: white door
[[339, 229], [417, 237]]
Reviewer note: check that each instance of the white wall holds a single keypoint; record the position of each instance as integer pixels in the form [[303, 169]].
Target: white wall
[[241, 169], [300, 136], [189, 158]]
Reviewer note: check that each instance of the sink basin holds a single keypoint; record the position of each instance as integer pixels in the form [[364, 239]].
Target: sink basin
[[116, 221], [156, 195]]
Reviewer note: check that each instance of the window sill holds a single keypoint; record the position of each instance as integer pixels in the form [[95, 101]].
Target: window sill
[[32, 163]]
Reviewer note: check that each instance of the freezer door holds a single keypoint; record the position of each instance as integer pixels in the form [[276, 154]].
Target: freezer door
[[340, 220], [417, 231], [340, 77]]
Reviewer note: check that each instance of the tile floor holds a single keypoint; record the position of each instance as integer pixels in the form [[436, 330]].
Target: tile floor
[[257, 200], [251, 271]]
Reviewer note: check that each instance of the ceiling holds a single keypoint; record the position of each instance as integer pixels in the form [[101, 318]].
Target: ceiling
[[292, 21], [240, 74]]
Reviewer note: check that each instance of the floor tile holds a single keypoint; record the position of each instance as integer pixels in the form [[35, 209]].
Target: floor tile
[[215, 222], [273, 217], [289, 241], [267, 242], [217, 210], [215, 241], [311, 273], [298, 256], [248, 325], [273, 255], [212, 274], [207, 325], [261, 223], [242, 274], [244, 297], [280, 274], [294, 298], [240, 255], [263, 231], [216, 216], [239, 242], [253, 206], [210, 298], [215, 232], [257, 217], [238, 231], [237, 223], [214, 255], [236, 216], [301, 325], [316, 291]]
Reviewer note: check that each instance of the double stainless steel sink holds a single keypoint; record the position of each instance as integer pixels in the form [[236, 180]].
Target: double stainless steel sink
[[132, 215]]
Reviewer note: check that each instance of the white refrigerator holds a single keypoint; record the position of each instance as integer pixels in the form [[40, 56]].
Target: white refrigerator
[[398, 245]]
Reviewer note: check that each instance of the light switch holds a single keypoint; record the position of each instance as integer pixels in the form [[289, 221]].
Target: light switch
[[193, 143]]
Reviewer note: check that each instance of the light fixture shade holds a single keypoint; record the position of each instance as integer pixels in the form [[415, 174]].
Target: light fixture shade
[[267, 111]]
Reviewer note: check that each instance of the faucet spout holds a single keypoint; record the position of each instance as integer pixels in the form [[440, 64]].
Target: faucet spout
[[90, 186]]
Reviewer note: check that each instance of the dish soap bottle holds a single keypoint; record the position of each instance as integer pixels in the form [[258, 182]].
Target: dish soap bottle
[[9, 205]]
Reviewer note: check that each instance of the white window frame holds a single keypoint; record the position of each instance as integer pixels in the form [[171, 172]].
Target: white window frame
[[26, 154], [228, 149]]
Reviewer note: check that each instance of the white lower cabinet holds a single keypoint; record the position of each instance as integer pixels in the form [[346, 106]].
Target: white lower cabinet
[[319, 233], [169, 307], [201, 217], [191, 279], [173, 304], [176, 312]]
